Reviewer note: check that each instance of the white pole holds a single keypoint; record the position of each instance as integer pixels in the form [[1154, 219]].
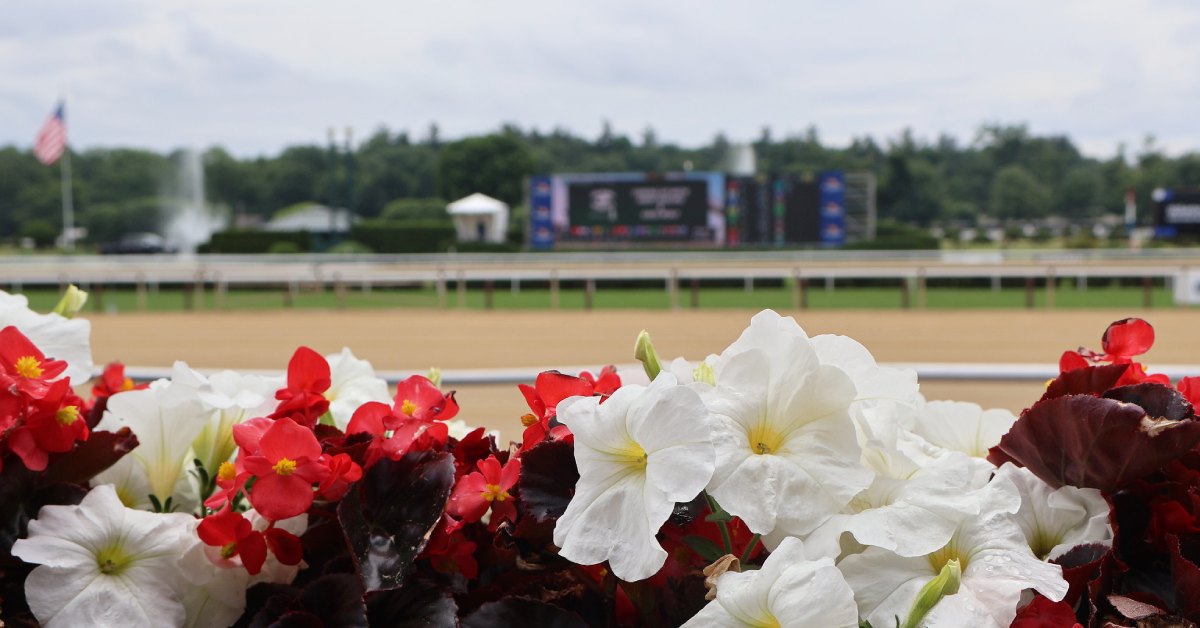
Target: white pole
[[68, 202]]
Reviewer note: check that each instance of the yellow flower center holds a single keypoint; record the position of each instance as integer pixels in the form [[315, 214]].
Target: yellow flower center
[[285, 466], [227, 551], [127, 384], [493, 492], [633, 455], [764, 439], [227, 471], [938, 559], [528, 419], [111, 560], [408, 407], [29, 366], [67, 415]]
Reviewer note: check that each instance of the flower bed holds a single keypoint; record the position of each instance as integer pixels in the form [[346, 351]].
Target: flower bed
[[786, 481]]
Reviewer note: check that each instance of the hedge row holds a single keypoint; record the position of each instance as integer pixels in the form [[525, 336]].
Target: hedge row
[[407, 237], [257, 242]]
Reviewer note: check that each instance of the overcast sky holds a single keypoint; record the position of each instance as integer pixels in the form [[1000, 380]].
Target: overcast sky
[[255, 76]]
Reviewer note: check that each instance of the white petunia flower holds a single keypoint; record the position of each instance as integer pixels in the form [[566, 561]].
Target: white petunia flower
[[352, 383], [996, 567], [787, 450], [788, 591], [102, 564], [909, 509], [1055, 520], [166, 419], [638, 453], [230, 398], [962, 426], [60, 338]]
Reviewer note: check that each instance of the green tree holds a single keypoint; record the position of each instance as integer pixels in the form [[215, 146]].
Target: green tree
[[1016, 194], [495, 165]]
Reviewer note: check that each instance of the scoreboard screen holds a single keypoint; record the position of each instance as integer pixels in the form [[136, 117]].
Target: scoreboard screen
[[615, 207]]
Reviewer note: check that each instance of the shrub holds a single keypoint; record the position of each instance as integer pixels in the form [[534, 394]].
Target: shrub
[[257, 242], [384, 236]]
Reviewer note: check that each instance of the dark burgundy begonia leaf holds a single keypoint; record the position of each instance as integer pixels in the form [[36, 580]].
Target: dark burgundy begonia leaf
[[514, 611], [1080, 565], [1158, 401], [685, 513], [100, 451], [1185, 574], [1089, 380], [388, 515], [1091, 442], [548, 476], [418, 604], [331, 600]]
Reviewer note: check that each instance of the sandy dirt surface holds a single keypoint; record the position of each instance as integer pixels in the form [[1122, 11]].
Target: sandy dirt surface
[[413, 340]]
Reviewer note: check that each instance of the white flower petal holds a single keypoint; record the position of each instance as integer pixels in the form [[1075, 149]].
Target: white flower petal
[[963, 426], [789, 590], [352, 383]]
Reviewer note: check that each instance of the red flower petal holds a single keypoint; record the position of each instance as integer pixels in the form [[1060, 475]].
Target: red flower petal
[[1070, 361], [370, 418], [1127, 338], [284, 545], [308, 371], [253, 550], [247, 434], [223, 528], [553, 387], [286, 439], [1042, 613], [279, 497]]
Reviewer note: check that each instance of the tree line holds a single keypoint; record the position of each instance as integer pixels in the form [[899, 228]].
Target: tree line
[[1005, 172]]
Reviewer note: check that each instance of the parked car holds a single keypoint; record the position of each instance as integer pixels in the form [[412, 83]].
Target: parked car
[[137, 244]]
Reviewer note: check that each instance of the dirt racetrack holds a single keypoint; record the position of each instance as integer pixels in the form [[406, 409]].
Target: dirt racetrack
[[414, 340]]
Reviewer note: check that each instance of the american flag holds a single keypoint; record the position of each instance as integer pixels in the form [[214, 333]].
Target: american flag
[[52, 139]]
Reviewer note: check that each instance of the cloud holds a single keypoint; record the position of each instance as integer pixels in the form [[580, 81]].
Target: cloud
[[255, 77]]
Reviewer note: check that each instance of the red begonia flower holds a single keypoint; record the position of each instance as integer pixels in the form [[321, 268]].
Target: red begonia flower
[[23, 365], [231, 477], [303, 400], [52, 424], [113, 381], [448, 552], [342, 473], [417, 398], [606, 383], [236, 536], [377, 419], [487, 488], [286, 466]]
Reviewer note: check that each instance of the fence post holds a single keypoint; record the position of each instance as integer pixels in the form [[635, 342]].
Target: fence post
[[1051, 280], [673, 288], [921, 287], [589, 291], [1029, 293], [461, 289], [488, 287], [695, 297], [554, 289]]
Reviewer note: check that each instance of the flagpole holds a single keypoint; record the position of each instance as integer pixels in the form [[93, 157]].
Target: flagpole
[[68, 201]]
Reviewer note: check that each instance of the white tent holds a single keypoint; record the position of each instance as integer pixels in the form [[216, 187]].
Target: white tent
[[479, 218]]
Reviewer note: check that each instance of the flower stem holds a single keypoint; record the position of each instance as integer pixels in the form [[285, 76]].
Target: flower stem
[[749, 551], [720, 516]]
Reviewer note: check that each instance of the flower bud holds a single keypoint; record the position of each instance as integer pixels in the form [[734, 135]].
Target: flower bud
[[644, 352], [946, 583], [71, 302]]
